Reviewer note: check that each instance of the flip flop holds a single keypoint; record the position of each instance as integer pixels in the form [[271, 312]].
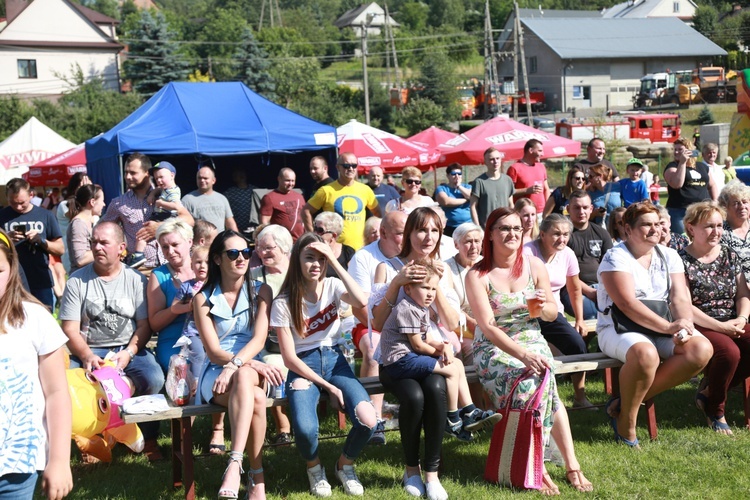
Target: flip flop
[[717, 425], [578, 481], [216, 449]]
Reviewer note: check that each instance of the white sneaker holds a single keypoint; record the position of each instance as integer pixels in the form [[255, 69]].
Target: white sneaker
[[435, 490], [413, 485], [349, 480], [319, 485]]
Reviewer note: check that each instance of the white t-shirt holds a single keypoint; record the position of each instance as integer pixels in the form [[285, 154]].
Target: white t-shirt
[[716, 172], [562, 265], [321, 319], [23, 438], [363, 264], [424, 201], [650, 284]]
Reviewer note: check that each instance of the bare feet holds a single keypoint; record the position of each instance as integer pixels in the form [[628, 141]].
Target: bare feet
[[578, 481], [549, 488]]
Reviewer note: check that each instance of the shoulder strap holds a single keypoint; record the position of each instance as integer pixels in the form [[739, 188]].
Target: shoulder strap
[[664, 260]]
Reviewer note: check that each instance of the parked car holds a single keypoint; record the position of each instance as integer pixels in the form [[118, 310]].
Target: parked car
[[543, 124]]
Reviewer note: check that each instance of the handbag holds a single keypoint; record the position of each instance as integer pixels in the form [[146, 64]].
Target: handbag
[[624, 324], [516, 455]]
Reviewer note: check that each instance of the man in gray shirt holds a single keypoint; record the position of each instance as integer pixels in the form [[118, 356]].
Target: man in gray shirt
[[104, 310], [490, 190], [205, 203]]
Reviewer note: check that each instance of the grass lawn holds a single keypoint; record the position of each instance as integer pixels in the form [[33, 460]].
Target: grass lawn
[[687, 461]]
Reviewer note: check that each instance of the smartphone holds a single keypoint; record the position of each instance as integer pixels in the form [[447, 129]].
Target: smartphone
[[21, 228]]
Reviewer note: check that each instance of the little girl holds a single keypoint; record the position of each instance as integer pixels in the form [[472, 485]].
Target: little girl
[[306, 318], [35, 410], [408, 352]]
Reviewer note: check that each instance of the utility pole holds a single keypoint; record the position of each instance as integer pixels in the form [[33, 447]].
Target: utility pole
[[489, 61], [523, 65], [387, 52], [364, 70], [516, 24]]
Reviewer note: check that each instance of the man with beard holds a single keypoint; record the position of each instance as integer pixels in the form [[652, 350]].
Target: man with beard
[[132, 211], [589, 242]]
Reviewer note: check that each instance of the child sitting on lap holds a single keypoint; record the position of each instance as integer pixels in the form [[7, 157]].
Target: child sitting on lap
[[409, 352]]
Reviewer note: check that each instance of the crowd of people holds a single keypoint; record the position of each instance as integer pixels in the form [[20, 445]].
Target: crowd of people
[[426, 286]]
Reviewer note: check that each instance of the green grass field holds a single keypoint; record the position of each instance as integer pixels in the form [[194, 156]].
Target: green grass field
[[686, 461]]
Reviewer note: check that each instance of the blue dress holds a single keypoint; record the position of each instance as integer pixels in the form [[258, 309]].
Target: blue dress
[[169, 334], [234, 328]]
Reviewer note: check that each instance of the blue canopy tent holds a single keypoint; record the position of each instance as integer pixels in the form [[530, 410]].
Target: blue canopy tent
[[226, 120]]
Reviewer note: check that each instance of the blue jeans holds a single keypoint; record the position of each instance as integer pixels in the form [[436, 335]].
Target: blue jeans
[[18, 486], [589, 306], [677, 214], [331, 365], [143, 371]]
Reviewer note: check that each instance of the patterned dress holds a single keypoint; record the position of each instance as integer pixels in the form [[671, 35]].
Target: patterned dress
[[498, 370]]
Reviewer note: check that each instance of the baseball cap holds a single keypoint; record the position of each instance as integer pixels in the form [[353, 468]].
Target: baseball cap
[[163, 164], [634, 161]]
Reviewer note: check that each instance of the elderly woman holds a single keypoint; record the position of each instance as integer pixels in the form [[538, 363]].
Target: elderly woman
[[508, 341], [529, 221], [721, 306], [231, 314], [273, 245], [411, 180], [372, 229], [423, 401], [669, 239], [328, 225], [735, 199], [672, 351], [557, 203], [605, 195], [710, 155], [688, 182], [562, 268]]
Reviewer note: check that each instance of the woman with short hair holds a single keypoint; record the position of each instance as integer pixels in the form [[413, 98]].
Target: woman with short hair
[[735, 199], [328, 225], [605, 195], [411, 181]]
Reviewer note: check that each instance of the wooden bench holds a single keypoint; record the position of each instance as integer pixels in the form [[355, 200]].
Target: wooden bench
[[181, 424]]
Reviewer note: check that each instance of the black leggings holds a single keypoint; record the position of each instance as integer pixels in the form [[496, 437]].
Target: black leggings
[[560, 334], [422, 402]]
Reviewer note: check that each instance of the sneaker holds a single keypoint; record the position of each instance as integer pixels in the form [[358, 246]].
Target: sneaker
[[349, 480], [135, 259], [378, 437], [435, 491], [413, 485], [480, 420], [319, 485]]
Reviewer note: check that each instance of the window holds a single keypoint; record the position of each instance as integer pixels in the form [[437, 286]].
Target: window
[[582, 92], [27, 68], [532, 64], [676, 6]]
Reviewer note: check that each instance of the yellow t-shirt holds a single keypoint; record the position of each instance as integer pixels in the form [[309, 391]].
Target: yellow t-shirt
[[350, 203]]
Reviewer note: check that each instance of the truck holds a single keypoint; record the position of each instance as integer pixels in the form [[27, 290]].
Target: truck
[[654, 127], [703, 84]]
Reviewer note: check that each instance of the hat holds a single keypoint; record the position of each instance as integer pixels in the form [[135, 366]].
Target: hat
[[634, 161], [163, 164]]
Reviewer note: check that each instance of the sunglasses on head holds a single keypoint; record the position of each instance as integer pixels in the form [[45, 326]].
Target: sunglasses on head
[[233, 253], [348, 166], [413, 181]]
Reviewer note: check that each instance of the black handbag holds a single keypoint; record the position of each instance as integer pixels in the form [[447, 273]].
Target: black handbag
[[624, 324]]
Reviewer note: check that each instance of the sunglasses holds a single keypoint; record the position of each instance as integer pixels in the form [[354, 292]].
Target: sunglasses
[[454, 173], [348, 166], [579, 178], [322, 230], [413, 181], [233, 253]]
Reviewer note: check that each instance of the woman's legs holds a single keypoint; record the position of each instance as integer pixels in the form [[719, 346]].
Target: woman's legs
[[453, 374], [636, 376], [255, 446], [564, 439], [433, 391], [409, 394], [569, 342]]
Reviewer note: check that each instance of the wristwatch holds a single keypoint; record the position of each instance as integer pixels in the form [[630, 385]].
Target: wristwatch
[[236, 361]]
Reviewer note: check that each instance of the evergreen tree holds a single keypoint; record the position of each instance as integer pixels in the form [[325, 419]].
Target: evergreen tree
[[439, 82], [252, 65], [153, 60]]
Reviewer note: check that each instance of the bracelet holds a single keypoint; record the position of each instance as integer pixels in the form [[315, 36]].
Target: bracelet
[[743, 317], [390, 304], [130, 353]]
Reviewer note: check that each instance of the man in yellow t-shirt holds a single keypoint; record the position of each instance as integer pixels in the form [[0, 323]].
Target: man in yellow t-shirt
[[348, 198]]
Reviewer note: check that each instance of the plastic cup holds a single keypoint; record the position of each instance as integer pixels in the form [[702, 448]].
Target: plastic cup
[[533, 303]]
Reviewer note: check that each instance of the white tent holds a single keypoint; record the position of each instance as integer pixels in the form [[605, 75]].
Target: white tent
[[30, 144]]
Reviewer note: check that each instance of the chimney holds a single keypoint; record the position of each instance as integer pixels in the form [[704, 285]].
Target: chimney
[[14, 7]]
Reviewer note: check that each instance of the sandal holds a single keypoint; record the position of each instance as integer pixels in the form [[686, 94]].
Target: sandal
[[717, 425], [578, 481], [217, 446], [226, 493], [701, 401], [619, 439], [549, 488], [251, 481]]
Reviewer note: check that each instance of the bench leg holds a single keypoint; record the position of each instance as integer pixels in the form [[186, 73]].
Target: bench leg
[[182, 456], [608, 380], [651, 419], [175, 425], [342, 420], [746, 399]]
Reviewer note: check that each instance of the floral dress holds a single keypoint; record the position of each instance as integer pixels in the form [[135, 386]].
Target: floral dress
[[713, 286], [498, 370]]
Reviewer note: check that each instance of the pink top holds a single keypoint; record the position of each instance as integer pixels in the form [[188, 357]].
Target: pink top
[[562, 265]]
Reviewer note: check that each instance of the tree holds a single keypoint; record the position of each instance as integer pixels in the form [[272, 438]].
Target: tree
[[706, 20], [705, 117], [153, 59], [128, 7], [294, 79], [438, 84], [420, 114], [222, 32], [252, 65], [14, 112]]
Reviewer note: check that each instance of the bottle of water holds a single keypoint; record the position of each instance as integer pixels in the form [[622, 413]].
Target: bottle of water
[[347, 348]]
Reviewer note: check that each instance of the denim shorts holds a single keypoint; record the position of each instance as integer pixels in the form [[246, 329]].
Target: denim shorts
[[412, 365]]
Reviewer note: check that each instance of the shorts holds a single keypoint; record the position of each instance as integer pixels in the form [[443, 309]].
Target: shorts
[[360, 331], [412, 365], [616, 345]]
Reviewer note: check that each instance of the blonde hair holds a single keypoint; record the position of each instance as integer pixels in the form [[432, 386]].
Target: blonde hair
[[411, 172], [700, 212]]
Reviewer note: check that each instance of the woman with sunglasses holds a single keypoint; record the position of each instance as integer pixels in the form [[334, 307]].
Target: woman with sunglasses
[[605, 195], [557, 203], [411, 180], [231, 314], [328, 225]]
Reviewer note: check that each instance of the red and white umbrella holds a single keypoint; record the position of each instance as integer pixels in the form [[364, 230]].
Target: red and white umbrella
[[430, 139], [508, 137], [57, 170], [377, 148]]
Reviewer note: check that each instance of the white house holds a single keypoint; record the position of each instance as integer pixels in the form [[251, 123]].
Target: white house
[[371, 15], [42, 40], [639, 9]]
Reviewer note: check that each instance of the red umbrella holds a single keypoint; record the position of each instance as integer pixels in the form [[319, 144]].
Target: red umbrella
[[377, 148], [508, 137], [430, 139], [57, 170]]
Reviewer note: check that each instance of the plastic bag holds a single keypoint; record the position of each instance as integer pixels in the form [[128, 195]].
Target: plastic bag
[[181, 383]]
